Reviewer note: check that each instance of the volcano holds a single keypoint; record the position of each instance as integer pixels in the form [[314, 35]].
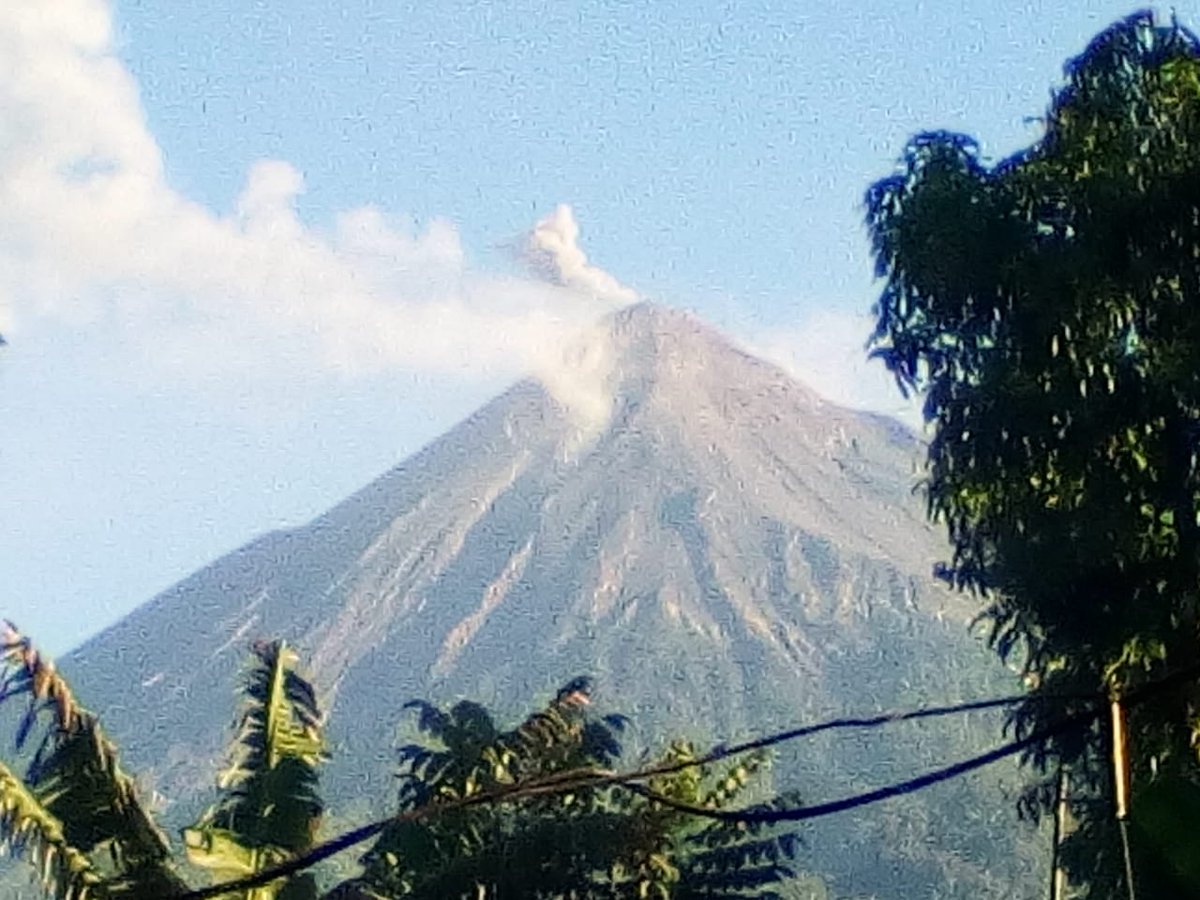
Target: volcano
[[723, 550]]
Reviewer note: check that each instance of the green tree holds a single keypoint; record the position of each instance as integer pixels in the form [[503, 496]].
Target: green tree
[[584, 844], [76, 814], [269, 810], [78, 817], [1049, 308]]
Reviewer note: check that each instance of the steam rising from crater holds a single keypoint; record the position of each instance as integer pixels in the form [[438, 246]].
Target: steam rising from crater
[[94, 236], [581, 376], [579, 372], [552, 251]]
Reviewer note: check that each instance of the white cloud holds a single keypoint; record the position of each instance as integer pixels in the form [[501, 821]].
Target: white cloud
[[91, 234], [827, 352], [91, 231]]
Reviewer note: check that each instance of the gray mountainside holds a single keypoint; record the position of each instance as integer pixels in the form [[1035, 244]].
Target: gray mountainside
[[730, 554]]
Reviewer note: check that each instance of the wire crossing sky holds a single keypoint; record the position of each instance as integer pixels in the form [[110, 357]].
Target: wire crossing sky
[[253, 255], [572, 780]]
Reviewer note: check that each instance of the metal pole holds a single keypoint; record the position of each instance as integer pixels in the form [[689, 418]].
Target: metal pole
[[1121, 776], [1058, 875]]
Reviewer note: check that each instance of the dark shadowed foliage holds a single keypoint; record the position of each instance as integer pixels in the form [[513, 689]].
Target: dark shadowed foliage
[[1049, 306]]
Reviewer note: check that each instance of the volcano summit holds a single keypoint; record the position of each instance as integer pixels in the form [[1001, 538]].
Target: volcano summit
[[723, 550]]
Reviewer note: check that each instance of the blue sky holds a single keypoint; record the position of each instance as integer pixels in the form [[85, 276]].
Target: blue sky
[[251, 255]]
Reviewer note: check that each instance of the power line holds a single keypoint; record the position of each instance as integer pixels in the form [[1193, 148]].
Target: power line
[[561, 782], [760, 815], [575, 779], [764, 816], [724, 751]]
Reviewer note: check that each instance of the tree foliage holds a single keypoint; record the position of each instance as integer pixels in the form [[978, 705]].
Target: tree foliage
[[1049, 308], [78, 817], [76, 812], [269, 810], [584, 844]]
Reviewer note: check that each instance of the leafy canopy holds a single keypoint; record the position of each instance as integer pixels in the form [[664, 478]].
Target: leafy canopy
[[585, 844], [1049, 307], [269, 810], [78, 817]]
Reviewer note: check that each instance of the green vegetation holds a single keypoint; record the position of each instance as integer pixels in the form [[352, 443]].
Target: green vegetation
[[269, 809], [580, 845], [1049, 306], [79, 818], [76, 813]]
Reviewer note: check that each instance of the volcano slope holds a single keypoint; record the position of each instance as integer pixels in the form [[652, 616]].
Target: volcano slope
[[725, 552]]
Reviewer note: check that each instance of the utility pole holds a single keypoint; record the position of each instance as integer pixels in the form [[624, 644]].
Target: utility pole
[[1121, 776], [1058, 875]]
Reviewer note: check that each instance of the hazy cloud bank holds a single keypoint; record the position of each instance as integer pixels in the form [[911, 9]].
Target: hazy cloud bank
[[92, 235], [827, 352]]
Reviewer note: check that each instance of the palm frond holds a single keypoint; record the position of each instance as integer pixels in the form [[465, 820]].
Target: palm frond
[[75, 773], [28, 828], [269, 810]]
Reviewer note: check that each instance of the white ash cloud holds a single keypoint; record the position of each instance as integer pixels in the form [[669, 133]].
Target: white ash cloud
[[92, 235], [552, 251], [94, 238]]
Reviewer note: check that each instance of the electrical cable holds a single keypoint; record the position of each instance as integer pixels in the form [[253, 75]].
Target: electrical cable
[[576, 779], [764, 815]]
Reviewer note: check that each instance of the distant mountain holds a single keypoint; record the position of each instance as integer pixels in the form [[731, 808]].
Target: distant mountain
[[727, 553]]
